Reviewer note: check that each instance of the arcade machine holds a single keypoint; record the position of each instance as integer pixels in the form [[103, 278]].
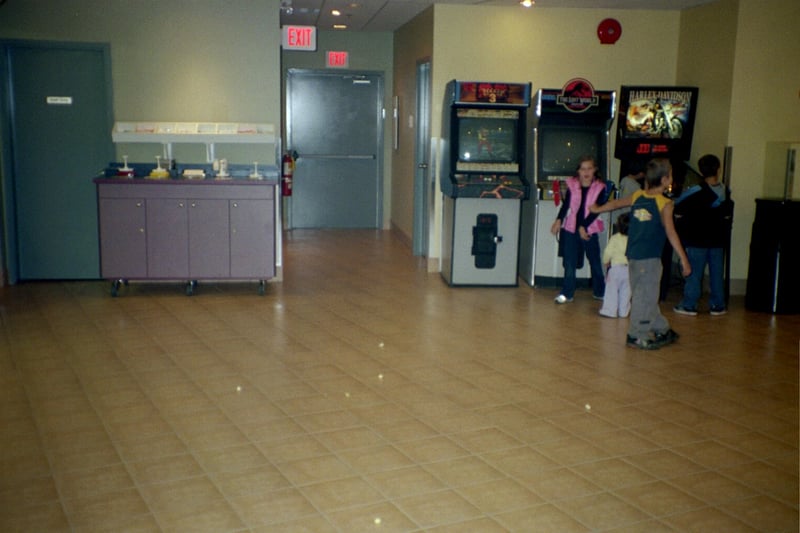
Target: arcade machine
[[656, 122], [659, 122], [570, 122], [484, 180]]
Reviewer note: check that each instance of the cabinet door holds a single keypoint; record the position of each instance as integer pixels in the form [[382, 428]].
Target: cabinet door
[[123, 252], [252, 239], [209, 239], [167, 231]]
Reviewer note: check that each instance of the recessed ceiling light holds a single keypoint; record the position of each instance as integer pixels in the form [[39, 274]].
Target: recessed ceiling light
[[526, 3], [340, 26], [335, 12]]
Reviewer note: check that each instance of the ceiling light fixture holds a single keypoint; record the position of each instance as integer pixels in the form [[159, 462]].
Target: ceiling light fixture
[[527, 3], [335, 12], [340, 26]]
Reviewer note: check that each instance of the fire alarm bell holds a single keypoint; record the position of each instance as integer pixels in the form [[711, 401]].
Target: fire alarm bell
[[609, 31]]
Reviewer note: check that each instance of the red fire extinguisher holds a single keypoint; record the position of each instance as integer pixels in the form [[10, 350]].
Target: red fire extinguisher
[[287, 172], [557, 192]]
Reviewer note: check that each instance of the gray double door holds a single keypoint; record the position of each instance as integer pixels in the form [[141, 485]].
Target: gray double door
[[57, 109], [334, 124]]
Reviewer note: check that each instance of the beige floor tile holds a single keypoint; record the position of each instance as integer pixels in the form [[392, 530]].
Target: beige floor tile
[[375, 459], [329, 496], [234, 459], [93, 482], [409, 481], [349, 438], [404, 429], [379, 517], [48, 517], [659, 499], [437, 508], [150, 448], [314, 524], [485, 525], [522, 463], [707, 519], [602, 511], [485, 440], [215, 516], [544, 517], [292, 448], [499, 495], [664, 463], [611, 474], [108, 511], [163, 469], [764, 513], [767, 478], [463, 471], [314, 469], [261, 479], [561, 484], [429, 450], [277, 507]]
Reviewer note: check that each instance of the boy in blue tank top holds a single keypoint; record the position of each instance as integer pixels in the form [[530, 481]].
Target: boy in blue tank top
[[651, 224]]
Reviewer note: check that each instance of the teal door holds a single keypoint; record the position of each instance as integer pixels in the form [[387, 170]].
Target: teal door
[[60, 114]]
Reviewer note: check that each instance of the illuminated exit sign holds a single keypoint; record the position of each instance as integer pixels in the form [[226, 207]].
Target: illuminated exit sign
[[337, 59], [300, 38]]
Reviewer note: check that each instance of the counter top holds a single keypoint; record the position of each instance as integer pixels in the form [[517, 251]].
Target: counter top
[[185, 181]]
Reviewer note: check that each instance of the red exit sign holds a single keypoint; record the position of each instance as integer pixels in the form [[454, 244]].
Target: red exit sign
[[300, 38], [337, 59]]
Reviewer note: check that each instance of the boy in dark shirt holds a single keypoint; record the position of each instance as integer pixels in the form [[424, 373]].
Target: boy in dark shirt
[[703, 215]]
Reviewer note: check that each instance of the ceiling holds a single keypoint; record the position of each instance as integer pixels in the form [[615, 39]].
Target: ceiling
[[389, 15]]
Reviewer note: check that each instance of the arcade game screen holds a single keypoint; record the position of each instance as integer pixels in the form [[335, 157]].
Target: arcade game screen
[[561, 148], [650, 115], [487, 135]]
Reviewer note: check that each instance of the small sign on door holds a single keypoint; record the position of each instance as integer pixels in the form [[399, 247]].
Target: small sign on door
[[59, 100]]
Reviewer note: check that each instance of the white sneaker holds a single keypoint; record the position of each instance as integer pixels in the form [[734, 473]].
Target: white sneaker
[[561, 299]]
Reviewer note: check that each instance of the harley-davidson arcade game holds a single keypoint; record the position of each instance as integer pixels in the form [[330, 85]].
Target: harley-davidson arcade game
[[570, 122], [483, 180], [656, 122]]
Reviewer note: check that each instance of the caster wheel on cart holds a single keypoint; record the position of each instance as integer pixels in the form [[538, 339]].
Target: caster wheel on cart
[[190, 286], [115, 287], [262, 287]]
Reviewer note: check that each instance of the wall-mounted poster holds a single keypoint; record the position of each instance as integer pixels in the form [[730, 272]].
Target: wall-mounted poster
[[655, 122]]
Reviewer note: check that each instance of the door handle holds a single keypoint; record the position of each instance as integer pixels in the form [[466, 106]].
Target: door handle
[[422, 165]]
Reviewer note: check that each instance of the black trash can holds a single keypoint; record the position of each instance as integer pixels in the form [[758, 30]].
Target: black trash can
[[773, 276]]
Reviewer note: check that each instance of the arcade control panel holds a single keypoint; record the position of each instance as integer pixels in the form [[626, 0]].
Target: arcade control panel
[[489, 186]]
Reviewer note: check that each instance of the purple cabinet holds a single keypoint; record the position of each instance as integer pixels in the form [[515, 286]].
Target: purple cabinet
[[167, 231], [252, 237], [186, 230], [122, 237]]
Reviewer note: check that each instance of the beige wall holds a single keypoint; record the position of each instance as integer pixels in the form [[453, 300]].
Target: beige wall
[[368, 51], [412, 43], [765, 105], [548, 47], [176, 60]]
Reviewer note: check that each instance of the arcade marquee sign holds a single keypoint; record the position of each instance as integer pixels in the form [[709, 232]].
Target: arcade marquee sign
[[577, 95]]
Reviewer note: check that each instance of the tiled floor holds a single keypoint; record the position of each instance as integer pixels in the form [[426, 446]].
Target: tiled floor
[[363, 394]]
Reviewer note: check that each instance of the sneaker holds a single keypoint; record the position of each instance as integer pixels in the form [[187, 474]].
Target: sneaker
[[684, 311], [607, 315], [561, 299], [718, 311], [642, 344], [668, 337], [597, 297]]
